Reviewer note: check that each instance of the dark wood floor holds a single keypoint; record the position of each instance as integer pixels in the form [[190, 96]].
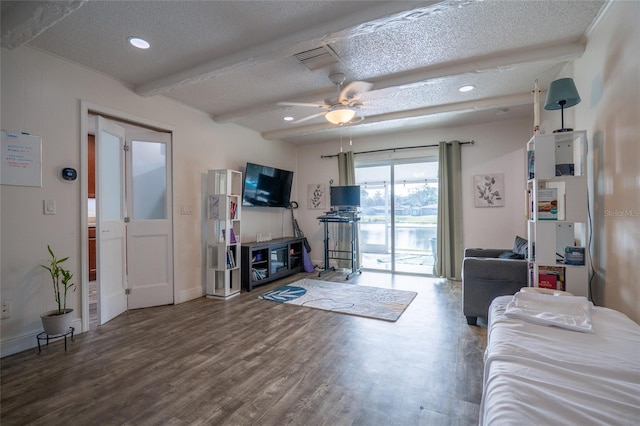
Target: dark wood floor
[[246, 361]]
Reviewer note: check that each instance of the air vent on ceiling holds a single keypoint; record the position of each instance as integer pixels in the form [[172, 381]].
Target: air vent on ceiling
[[320, 57]]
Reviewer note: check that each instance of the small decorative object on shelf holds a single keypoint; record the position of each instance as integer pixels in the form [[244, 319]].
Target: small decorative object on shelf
[[536, 108], [224, 189], [557, 212], [574, 255]]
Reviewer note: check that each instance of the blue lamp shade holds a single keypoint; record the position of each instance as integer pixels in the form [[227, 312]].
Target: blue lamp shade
[[562, 94]]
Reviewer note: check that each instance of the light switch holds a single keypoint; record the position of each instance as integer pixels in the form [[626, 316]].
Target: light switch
[[49, 206]]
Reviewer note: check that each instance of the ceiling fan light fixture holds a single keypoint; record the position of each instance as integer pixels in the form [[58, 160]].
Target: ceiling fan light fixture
[[340, 115]]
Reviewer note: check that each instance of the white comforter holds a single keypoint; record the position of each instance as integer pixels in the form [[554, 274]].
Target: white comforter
[[539, 375]]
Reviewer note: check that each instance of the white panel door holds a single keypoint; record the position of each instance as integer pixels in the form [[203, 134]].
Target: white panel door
[[110, 226], [149, 232]]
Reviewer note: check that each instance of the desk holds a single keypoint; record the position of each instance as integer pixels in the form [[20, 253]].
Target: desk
[[350, 218]]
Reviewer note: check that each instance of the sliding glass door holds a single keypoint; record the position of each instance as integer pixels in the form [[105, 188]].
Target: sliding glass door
[[399, 214]]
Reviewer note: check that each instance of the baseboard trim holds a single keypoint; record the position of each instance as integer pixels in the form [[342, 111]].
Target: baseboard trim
[[190, 294]]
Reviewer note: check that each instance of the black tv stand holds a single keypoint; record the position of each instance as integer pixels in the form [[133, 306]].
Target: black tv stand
[[267, 261]]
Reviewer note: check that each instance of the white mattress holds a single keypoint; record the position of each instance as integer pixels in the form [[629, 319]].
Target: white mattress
[[537, 375]]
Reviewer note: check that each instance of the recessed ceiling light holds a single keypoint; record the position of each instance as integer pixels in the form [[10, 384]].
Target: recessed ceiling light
[[288, 118], [139, 43], [466, 88]]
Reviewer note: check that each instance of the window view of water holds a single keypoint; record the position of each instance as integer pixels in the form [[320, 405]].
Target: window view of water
[[414, 247]]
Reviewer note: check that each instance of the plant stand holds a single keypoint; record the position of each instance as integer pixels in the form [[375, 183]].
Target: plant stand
[[47, 337]]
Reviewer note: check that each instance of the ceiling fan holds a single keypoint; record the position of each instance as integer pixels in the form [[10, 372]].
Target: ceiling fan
[[340, 109]]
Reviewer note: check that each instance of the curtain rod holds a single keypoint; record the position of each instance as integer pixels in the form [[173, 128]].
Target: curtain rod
[[471, 142]]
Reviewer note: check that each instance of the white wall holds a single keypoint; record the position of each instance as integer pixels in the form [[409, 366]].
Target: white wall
[[41, 95], [498, 148], [608, 80]]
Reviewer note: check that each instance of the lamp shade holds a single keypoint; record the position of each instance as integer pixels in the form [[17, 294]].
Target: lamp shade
[[562, 94], [340, 115]]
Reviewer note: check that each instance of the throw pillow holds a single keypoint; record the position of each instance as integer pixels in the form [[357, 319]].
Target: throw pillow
[[510, 255], [520, 246]]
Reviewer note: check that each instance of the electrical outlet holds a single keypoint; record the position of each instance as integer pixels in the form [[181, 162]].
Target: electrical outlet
[[6, 309]]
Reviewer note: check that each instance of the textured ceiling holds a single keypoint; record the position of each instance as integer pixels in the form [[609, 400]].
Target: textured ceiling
[[235, 59]]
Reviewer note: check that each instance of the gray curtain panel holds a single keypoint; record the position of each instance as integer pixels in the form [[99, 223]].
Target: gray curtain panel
[[347, 176], [448, 263]]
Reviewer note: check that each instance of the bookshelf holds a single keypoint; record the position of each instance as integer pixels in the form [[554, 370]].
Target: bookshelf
[[557, 212], [223, 219]]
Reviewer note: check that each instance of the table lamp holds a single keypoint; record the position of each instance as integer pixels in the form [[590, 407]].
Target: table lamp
[[562, 94]]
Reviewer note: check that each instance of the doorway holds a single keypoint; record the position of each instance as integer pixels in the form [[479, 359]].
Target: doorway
[[399, 202], [128, 220]]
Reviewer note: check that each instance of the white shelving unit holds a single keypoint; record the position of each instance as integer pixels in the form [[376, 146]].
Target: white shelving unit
[[223, 218], [557, 210]]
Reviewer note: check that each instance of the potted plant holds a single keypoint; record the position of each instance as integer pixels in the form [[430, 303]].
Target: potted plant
[[58, 321]]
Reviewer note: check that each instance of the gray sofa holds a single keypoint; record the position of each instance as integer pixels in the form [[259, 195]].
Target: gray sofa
[[485, 276]]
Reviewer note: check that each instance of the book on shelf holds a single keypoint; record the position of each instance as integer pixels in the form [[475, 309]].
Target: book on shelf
[[551, 277], [231, 261], [567, 169], [258, 274], [574, 255], [530, 163], [547, 204], [232, 236], [233, 210], [214, 207]]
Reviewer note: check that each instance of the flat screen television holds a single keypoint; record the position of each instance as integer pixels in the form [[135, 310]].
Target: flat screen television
[[266, 186], [345, 197]]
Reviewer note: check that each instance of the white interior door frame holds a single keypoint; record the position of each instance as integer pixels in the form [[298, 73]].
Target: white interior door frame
[[87, 109]]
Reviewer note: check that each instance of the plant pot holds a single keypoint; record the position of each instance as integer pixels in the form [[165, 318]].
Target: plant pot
[[54, 323]]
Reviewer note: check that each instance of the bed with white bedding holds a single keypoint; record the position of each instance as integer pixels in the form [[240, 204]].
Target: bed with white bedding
[[548, 375]]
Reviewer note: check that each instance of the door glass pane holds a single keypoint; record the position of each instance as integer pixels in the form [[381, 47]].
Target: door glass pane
[[416, 209], [410, 246], [149, 178], [375, 218], [110, 177]]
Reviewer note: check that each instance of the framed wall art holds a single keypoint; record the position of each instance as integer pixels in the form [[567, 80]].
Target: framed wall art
[[488, 190], [317, 196]]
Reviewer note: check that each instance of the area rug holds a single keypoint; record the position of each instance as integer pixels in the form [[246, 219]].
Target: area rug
[[372, 302]]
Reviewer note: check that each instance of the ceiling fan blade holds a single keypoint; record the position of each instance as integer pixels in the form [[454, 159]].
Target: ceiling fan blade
[[353, 89], [302, 120], [302, 104]]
